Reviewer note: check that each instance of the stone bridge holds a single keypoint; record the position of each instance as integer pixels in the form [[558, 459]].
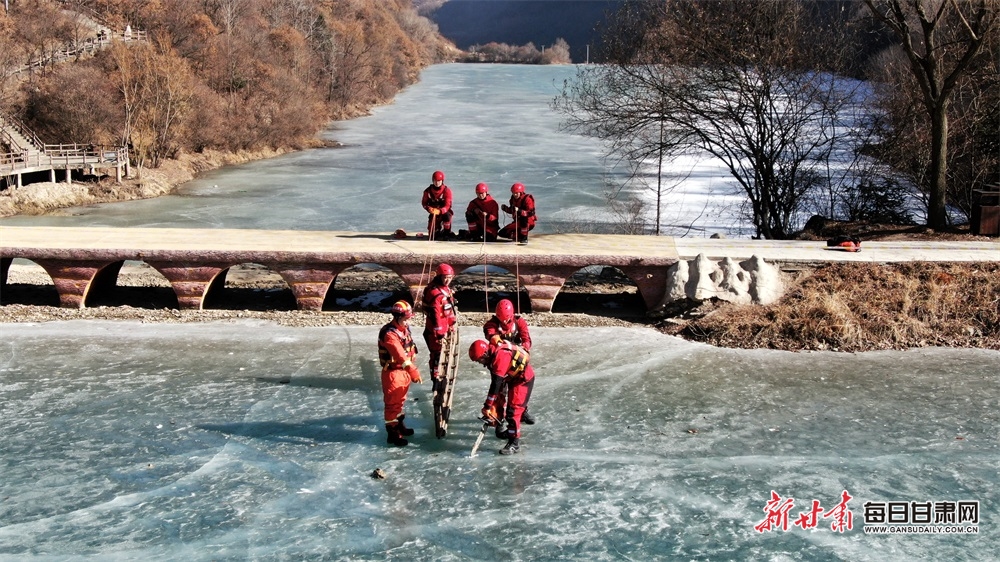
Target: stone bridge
[[86, 261], [83, 262]]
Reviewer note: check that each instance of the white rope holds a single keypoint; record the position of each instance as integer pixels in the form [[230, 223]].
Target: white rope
[[517, 265], [486, 267]]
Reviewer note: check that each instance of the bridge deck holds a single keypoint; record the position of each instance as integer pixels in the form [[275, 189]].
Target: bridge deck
[[196, 260]]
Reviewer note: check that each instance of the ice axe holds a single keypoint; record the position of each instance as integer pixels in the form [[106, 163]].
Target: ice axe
[[487, 423]]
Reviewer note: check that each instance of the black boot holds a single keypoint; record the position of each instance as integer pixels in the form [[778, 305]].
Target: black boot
[[394, 437], [403, 430], [527, 419], [512, 447], [501, 430]]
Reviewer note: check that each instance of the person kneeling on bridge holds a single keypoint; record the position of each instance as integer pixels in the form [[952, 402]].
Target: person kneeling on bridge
[[508, 365], [483, 216], [522, 210], [396, 352], [437, 202]]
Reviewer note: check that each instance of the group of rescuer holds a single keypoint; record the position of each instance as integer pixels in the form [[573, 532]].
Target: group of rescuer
[[504, 352], [482, 214]]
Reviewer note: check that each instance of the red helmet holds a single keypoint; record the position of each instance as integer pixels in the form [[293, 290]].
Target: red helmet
[[445, 269], [482, 188], [437, 176], [402, 309], [478, 350], [505, 311], [517, 188]]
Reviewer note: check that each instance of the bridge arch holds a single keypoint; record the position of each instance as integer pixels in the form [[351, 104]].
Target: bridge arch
[[249, 286], [599, 287], [26, 283], [365, 286], [134, 284], [479, 288]]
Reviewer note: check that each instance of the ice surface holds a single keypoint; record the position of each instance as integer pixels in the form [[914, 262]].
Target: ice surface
[[253, 441]]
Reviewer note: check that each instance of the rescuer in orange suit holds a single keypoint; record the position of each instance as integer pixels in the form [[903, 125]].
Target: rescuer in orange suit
[[483, 215], [440, 315], [505, 326], [509, 366], [437, 202], [522, 210], [396, 352]]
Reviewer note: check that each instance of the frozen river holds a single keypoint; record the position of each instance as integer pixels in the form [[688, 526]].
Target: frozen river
[[251, 441], [124, 441], [477, 123]]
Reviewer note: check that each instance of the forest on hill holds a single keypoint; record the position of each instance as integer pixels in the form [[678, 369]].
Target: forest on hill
[[221, 74]]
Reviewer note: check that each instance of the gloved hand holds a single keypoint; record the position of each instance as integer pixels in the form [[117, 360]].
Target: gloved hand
[[490, 414], [435, 211], [505, 208], [489, 410], [414, 374], [496, 339]]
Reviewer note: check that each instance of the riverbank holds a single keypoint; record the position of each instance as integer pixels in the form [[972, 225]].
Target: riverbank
[[47, 197]]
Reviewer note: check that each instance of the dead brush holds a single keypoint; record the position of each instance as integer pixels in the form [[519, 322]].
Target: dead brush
[[857, 307]]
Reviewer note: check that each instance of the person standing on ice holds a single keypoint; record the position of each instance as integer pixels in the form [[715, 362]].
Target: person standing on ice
[[437, 202], [396, 352], [509, 366], [505, 326], [522, 211], [440, 314], [483, 216]]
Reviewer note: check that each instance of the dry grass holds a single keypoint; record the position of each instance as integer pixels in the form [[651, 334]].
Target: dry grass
[[859, 307]]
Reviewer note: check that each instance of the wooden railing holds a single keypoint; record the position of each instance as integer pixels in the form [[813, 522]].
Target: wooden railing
[[90, 46], [8, 121], [62, 156]]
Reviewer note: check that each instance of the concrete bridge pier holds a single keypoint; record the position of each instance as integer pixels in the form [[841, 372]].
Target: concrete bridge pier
[[651, 282], [192, 281], [543, 283], [74, 279], [309, 284]]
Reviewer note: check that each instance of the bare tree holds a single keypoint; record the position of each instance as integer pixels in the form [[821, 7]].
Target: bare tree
[[737, 79], [941, 40]]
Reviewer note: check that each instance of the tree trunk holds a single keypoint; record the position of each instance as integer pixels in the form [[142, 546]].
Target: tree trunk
[[937, 216]]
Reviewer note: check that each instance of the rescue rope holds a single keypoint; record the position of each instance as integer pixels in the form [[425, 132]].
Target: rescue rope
[[517, 265], [428, 263], [486, 280]]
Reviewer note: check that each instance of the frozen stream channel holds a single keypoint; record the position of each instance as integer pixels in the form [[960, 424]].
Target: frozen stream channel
[[249, 441]]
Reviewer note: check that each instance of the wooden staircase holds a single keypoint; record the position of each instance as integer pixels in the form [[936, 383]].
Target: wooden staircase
[[24, 153]]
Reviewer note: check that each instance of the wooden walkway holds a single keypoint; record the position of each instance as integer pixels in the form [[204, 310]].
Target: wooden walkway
[[26, 153]]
